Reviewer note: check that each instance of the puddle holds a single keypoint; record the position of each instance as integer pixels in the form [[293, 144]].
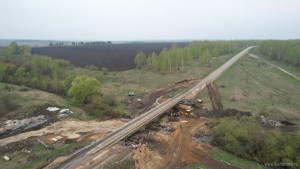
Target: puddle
[[203, 138]]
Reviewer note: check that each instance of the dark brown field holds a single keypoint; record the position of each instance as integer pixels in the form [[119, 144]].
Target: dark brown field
[[115, 57]]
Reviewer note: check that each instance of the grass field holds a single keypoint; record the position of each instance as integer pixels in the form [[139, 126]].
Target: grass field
[[28, 101], [39, 156], [235, 161], [229, 159], [52, 154], [288, 67], [251, 85], [142, 81], [197, 166]]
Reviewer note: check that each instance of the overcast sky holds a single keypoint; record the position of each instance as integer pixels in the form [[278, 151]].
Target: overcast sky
[[149, 19]]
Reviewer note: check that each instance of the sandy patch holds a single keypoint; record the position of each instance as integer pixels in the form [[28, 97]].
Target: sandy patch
[[69, 128]]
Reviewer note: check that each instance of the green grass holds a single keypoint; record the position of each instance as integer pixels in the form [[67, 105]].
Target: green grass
[[39, 156], [28, 101], [251, 85], [142, 81], [18, 159], [288, 67], [65, 149], [120, 107], [197, 166], [235, 161]]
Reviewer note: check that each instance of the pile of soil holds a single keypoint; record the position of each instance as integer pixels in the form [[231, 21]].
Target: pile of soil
[[180, 150]]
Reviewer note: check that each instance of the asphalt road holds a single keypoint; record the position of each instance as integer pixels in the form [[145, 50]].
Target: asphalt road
[[140, 121]]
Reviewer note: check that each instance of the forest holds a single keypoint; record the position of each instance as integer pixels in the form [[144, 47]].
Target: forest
[[196, 53], [287, 51]]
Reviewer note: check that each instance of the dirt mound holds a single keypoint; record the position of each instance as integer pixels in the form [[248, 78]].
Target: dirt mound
[[217, 107], [180, 149], [147, 159]]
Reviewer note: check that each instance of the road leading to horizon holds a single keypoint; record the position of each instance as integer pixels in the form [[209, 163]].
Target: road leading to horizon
[[86, 154]]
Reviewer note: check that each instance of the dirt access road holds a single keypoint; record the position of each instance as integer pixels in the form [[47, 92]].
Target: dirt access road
[[142, 120], [179, 147], [291, 74]]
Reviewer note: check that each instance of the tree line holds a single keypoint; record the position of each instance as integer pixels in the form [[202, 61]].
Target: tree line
[[287, 51], [178, 58], [92, 43], [52, 44]]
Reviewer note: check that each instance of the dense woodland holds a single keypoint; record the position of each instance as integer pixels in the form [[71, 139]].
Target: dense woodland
[[287, 51], [195, 54]]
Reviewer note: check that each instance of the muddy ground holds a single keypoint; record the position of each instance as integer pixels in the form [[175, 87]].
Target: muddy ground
[[162, 144], [180, 149]]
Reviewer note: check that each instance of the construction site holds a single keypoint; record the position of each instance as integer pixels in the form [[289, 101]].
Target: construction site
[[50, 128], [180, 138]]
